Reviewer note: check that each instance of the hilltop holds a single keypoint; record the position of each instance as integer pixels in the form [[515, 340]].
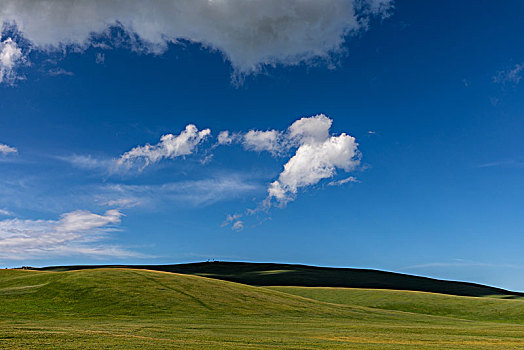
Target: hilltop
[[270, 274]]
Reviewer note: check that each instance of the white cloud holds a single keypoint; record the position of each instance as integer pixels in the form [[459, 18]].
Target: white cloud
[[317, 157], [228, 138], [312, 163], [318, 154], [310, 129], [5, 212], [512, 76], [303, 131], [170, 146], [5, 150], [343, 181], [250, 34], [83, 220], [224, 138], [238, 226], [10, 56], [270, 140], [75, 233], [230, 218], [234, 221]]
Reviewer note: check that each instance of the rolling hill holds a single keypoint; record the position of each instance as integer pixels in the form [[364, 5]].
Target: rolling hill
[[123, 308], [470, 308], [268, 274], [131, 292]]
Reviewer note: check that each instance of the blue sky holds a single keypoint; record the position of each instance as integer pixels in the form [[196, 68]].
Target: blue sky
[[409, 157]]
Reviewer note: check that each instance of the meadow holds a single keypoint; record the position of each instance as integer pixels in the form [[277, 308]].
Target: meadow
[[124, 308]]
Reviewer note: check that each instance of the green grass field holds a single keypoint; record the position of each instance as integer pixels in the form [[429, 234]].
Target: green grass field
[[139, 309]]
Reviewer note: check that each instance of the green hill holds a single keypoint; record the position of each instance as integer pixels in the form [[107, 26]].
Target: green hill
[[130, 292], [471, 308], [267, 274], [117, 308]]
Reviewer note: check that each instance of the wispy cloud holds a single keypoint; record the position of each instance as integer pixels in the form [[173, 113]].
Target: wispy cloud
[[234, 221], [75, 233], [10, 57], [89, 162], [511, 76], [227, 138], [249, 34], [100, 58], [123, 202], [170, 146], [192, 193], [343, 181], [5, 212], [508, 163], [6, 150], [38, 194], [59, 71], [137, 159], [238, 225]]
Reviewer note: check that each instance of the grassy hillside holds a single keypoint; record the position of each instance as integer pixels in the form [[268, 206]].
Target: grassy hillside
[[471, 308], [140, 309], [265, 274], [128, 292]]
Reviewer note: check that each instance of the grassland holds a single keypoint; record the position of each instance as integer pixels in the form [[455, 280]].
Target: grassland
[[141, 309], [494, 309]]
